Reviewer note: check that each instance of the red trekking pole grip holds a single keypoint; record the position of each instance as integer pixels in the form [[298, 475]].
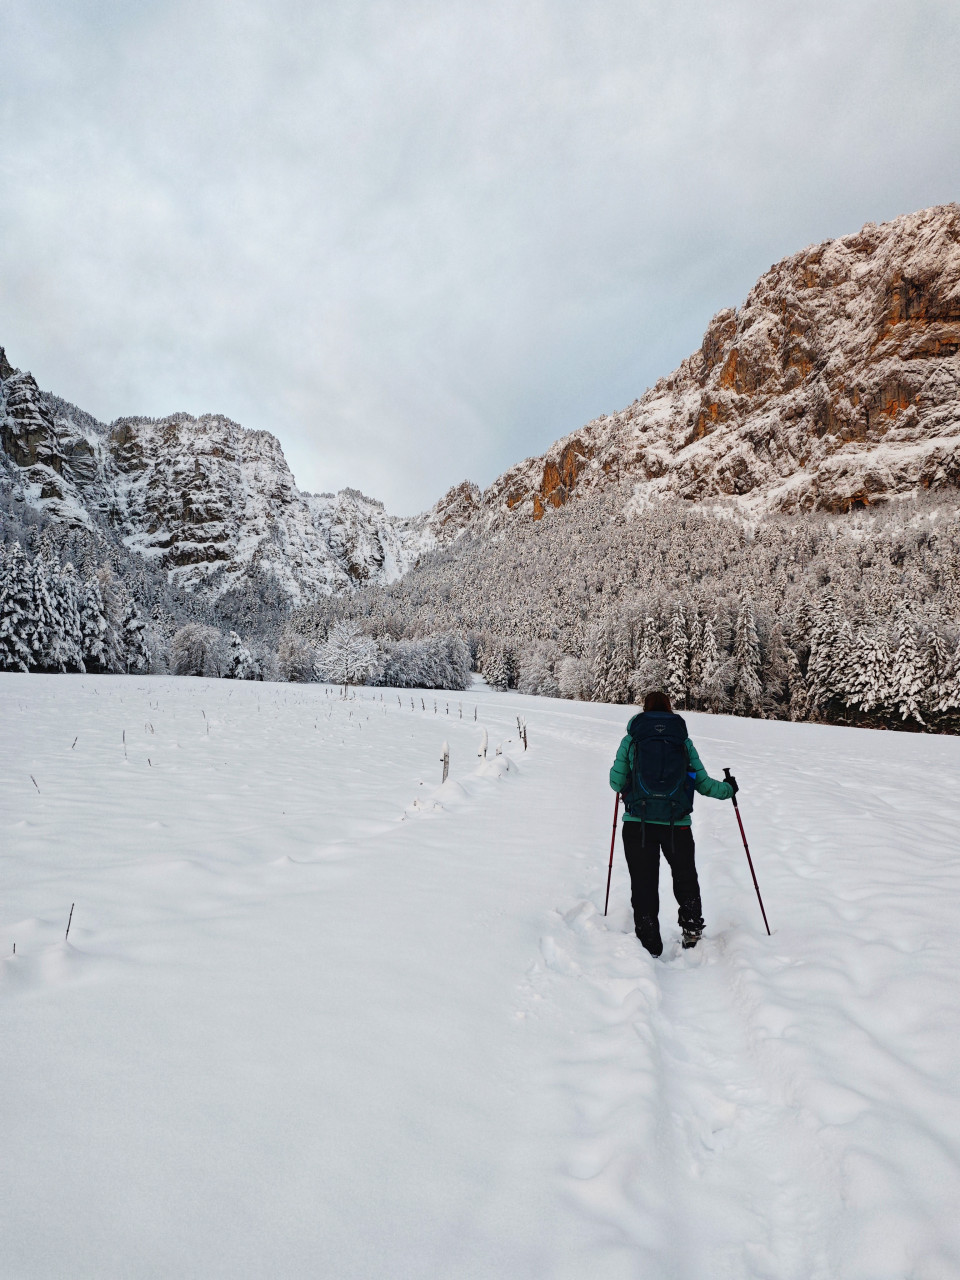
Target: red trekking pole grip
[[613, 841], [746, 849]]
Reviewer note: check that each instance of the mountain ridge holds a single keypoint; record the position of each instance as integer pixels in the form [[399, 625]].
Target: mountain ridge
[[835, 385]]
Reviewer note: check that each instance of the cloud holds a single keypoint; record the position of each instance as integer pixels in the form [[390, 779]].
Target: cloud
[[419, 241]]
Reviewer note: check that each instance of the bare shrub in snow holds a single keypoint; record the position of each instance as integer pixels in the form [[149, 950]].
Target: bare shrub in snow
[[296, 659], [347, 656], [537, 670], [434, 662], [197, 650], [575, 678]]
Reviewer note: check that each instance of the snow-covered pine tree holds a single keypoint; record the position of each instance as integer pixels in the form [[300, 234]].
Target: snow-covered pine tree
[[907, 677], [871, 686], [602, 654], [618, 675], [713, 668], [45, 637], [843, 675], [575, 677], [240, 663], [611, 663], [678, 657], [798, 707], [134, 648], [775, 672], [948, 705], [747, 687], [935, 662], [696, 660], [67, 588], [460, 664], [651, 669], [824, 633], [16, 610], [799, 631], [498, 667], [93, 625], [112, 600]]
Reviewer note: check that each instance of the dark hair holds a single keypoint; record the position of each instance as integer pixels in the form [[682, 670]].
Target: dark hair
[[657, 701]]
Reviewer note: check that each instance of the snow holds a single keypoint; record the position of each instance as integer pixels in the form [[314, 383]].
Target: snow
[[320, 1015]]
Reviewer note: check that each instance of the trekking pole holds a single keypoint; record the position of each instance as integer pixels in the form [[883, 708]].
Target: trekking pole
[[613, 841], [746, 848]]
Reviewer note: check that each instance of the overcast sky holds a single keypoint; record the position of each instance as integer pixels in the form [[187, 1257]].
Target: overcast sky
[[420, 241]]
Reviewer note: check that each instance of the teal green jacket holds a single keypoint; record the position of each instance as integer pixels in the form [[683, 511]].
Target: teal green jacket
[[707, 786]]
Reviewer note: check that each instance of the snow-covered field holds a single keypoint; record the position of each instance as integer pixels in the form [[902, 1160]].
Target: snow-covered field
[[318, 1017]]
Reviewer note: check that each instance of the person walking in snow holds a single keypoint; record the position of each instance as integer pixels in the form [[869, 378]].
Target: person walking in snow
[[657, 771]]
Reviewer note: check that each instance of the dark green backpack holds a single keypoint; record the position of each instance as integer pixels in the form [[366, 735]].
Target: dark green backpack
[[661, 786]]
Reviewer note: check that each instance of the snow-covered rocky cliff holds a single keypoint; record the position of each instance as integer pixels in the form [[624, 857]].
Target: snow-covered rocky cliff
[[202, 498], [835, 385]]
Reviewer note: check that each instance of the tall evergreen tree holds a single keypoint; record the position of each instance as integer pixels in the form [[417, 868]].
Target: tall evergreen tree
[[93, 625], [713, 681], [747, 687], [948, 705], [44, 638], [824, 638], [111, 596], [696, 661], [872, 685], [651, 671], [776, 672], [16, 610], [67, 589], [240, 663], [935, 662], [678, 657], [907, 678], [134, 649]]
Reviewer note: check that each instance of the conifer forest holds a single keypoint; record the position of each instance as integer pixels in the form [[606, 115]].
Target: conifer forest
[[842, 619], [849, 619]]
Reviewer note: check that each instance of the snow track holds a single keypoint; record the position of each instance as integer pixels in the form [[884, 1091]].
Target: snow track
[[321, 1015]]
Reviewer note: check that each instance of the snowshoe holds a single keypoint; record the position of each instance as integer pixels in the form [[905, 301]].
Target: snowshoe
[[690, 938], [648, 931]]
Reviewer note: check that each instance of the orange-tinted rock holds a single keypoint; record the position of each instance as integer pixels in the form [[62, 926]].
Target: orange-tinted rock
[[835, 384]]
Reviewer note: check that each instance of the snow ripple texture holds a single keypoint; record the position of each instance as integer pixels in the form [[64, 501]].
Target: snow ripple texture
[[320, 1015]]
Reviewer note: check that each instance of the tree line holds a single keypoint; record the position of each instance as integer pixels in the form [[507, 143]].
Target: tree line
[[851, 620]]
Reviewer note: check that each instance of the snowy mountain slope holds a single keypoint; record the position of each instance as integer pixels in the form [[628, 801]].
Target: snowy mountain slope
[[835, 385], [203, 498], [316, 1018]]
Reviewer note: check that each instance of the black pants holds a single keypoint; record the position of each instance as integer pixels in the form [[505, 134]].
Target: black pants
[[643, 859]]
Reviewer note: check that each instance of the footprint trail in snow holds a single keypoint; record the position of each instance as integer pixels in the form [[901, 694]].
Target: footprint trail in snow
[[320, 1014]]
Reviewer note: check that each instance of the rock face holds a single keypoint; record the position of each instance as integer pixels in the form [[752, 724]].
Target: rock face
[[201, 498], [206, 497], [835, 385]]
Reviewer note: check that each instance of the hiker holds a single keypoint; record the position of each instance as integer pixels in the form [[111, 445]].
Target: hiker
[[657, 770]]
